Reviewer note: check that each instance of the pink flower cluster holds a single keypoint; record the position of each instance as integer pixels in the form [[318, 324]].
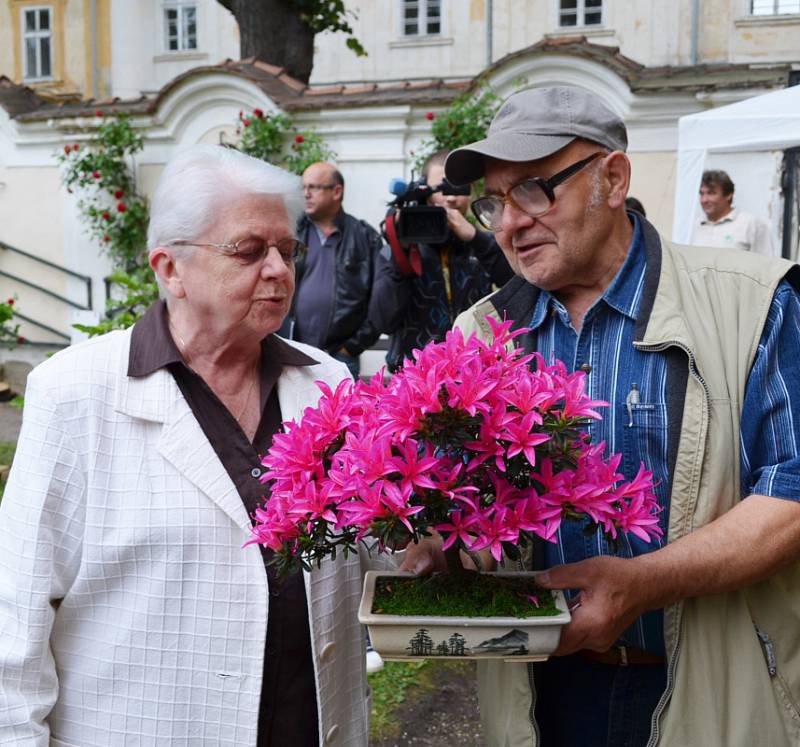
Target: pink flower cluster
[[468, 439]]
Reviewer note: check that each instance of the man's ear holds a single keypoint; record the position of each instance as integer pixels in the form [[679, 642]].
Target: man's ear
[[618, 177], [167, 271], [338, 192]]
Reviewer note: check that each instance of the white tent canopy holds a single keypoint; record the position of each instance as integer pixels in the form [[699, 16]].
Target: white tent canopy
[[770, 122]]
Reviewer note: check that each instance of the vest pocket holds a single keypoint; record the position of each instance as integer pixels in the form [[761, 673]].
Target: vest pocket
[[779, 685]]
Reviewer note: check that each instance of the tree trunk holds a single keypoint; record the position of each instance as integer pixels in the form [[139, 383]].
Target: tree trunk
[[271, 31]]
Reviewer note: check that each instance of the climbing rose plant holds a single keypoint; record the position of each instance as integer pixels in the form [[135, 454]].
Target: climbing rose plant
[[9, 330], [465, 121], [467, 440], [274, 138], [115, 214]]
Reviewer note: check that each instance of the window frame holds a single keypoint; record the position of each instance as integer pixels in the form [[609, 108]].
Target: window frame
[[422, 20], [580, 16], [180, 6], [774, 14], [38, 35]]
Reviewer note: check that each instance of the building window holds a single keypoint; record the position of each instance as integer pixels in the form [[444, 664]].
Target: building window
[[774, 7], [580, 13], [180, 27], [37, 43], [422, 17]]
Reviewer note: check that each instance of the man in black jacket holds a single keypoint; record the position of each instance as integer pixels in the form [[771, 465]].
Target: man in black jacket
[[334, 279], [455, 274]]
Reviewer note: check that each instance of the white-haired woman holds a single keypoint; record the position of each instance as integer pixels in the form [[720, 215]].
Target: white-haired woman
[[130, 613]]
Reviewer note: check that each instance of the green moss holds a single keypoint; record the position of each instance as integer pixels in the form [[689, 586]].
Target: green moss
[[482, 596]]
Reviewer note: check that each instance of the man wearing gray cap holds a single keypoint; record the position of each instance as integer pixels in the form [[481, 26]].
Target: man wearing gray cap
[[692, 640]]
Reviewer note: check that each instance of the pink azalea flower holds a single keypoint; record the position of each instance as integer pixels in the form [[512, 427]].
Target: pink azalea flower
[[460, 441]]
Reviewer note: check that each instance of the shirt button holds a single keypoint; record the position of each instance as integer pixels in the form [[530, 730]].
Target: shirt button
[[586, 368], [255, 472]]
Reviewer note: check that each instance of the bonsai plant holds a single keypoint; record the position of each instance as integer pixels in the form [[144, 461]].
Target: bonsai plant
[[468, 440]]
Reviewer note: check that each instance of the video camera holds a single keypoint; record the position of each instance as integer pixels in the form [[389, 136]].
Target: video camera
[[416, 222]]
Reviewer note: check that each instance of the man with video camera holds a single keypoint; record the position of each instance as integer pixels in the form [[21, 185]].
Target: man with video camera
[[436, 264]]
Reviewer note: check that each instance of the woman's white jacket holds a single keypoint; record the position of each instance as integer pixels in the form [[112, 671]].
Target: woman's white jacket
[[130, 612]]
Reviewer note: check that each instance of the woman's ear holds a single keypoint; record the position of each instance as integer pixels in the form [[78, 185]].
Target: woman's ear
[[167, 271]]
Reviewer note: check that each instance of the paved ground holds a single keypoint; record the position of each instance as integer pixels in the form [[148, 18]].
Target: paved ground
[[446, 717], [10, 421]]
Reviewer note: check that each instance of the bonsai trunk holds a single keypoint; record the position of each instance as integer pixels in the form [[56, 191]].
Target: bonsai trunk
[[454, 565]]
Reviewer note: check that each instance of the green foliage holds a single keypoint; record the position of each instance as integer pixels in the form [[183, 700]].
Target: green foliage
[[396, 682], [329, 15], [140, 291], [17, 402], [274, 138], [7, 449], [115, 214], [9, 330], [466, 120]]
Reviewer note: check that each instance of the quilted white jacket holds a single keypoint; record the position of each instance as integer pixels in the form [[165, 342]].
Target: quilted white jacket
[[130, 613]]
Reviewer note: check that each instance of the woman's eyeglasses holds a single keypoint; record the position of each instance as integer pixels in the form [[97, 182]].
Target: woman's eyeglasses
[[252, 250]]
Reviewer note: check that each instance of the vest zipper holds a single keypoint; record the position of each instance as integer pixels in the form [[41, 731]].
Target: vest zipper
[[769, 651], [657, 348], [673, 659]]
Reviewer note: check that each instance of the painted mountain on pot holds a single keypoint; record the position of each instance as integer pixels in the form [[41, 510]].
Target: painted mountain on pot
[[513, 642]]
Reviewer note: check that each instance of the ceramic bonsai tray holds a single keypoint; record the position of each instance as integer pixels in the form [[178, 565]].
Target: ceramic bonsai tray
[[512, 639]]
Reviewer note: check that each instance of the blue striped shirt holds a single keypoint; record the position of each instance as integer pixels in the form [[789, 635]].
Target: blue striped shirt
[[636, 424]]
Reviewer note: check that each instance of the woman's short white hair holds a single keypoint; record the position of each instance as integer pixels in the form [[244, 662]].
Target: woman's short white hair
[[198, 180]]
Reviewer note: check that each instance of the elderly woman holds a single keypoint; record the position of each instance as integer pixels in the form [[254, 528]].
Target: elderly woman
[[130, 613]]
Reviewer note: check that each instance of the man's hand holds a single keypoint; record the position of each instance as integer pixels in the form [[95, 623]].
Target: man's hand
[[459, 225], [613, 593]]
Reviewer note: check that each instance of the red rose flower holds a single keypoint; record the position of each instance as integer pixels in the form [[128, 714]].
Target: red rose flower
[[106, 215], [106, 238], [10, 302], [98, 113], [96, 174], [429, 116], [67, 149], [258, 112], [246, 122], [118, 193], [299, 139], [75, 147], [20, 339], [121, 207]]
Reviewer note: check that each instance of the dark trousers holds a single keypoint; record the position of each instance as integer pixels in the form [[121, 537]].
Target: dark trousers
[[583, 703]]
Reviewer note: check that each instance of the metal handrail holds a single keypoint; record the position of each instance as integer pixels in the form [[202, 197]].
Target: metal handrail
[[65, 270], [50, 329]]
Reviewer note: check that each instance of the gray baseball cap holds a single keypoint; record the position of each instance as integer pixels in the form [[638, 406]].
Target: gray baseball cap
[[534, 124]]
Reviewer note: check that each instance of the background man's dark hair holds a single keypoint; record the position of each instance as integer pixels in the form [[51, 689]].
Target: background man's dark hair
[[718, 179], [337, 177]]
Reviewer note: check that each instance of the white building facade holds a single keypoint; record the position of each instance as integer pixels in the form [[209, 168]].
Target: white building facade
[[163, 61]]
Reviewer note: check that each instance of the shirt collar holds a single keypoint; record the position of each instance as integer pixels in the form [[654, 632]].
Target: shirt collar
[[724, 219], [625, 291], [152, 346]]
